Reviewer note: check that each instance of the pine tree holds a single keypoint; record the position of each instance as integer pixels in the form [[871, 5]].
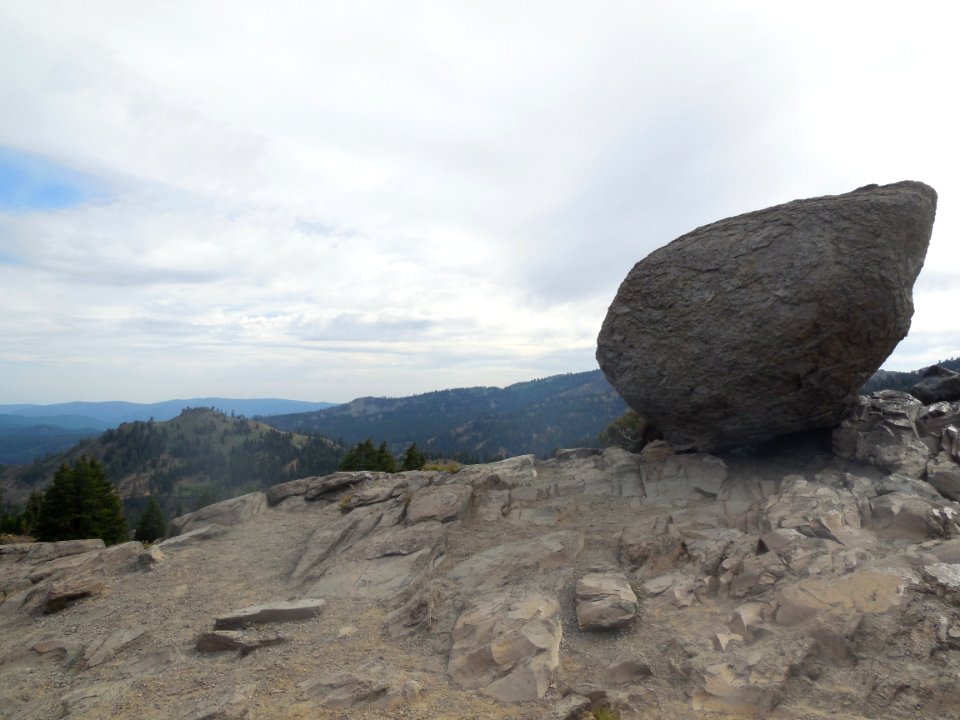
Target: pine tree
[[361, 456], [81, 503], [152, 525], [385, 460], [413, 459]]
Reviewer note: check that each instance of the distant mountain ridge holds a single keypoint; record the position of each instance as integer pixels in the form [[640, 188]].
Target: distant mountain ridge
[[113, 412], [29, 431], [538, 416]]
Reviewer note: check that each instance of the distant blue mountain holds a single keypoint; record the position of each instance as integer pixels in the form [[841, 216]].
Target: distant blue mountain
[[66, 422], [110, 414]]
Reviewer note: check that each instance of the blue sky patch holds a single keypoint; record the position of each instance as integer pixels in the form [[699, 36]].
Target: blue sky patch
[[30, 183]]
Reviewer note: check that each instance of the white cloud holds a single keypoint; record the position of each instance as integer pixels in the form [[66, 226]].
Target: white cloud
[[350, 198]]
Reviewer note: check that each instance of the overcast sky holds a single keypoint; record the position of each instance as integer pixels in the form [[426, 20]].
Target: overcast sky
[[324, 200]]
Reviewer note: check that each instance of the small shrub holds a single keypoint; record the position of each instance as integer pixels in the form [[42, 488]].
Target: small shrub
[[601, 711], [344, 503], [443, 466]]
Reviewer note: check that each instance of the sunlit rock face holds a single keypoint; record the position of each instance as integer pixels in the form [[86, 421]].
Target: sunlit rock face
[[768, 323]]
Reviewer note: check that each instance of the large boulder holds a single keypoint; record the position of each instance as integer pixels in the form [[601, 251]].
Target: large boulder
[[768, 323]]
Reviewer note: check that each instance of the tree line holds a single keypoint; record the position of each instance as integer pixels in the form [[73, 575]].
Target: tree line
[[80, 503]]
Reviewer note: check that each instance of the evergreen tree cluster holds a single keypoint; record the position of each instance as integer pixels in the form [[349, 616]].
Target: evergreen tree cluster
[[20, 520], [364, 456], [81, 503]]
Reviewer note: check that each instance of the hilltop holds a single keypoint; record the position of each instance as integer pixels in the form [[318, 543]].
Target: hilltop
[[30, 431], [196, 458]]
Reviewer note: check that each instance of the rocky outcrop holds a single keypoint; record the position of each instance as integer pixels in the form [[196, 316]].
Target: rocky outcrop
[[276, 612], [767, 323], [657, 584], [939, 384], [896, 433], [605, 601], [227, 513], [508, 648], [46, 578], [375, 686]]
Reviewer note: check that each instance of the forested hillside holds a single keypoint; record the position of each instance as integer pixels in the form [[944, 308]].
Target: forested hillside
[[479, 423], [195, 459], [24, 439]]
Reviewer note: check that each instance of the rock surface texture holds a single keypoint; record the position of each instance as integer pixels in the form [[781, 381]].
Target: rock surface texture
[[768, 323], [682, 586]]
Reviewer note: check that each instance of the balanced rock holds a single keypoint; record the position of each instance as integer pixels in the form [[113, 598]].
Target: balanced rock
[[768, 323]]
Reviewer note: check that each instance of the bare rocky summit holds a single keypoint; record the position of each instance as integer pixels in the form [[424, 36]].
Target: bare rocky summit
[[807, 582], [768, 323]]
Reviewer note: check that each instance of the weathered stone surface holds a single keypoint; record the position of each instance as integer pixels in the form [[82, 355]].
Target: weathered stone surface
[[374, 686], [605, 601], [910, 517], [813, 510], [950, 441], [507, 648], [441, 502], [939, 384], [109, 645], [335, 534], [36, 553], [383, 563], [883, 432], [493, 567], [747, 621], [277, 612], [504, 474], [278, 493], [943, 473], [653, 545], [864, 591], [60, 595], [675, 480], [207, 532], [223, 703], [768, 323], [434, 607], [228, 513], [932, 419], [628, 671], [321, 487]]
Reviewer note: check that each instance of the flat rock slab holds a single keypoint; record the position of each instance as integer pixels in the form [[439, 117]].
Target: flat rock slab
[[278, 612], [36, 553], [60, 595], [234, 640]]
